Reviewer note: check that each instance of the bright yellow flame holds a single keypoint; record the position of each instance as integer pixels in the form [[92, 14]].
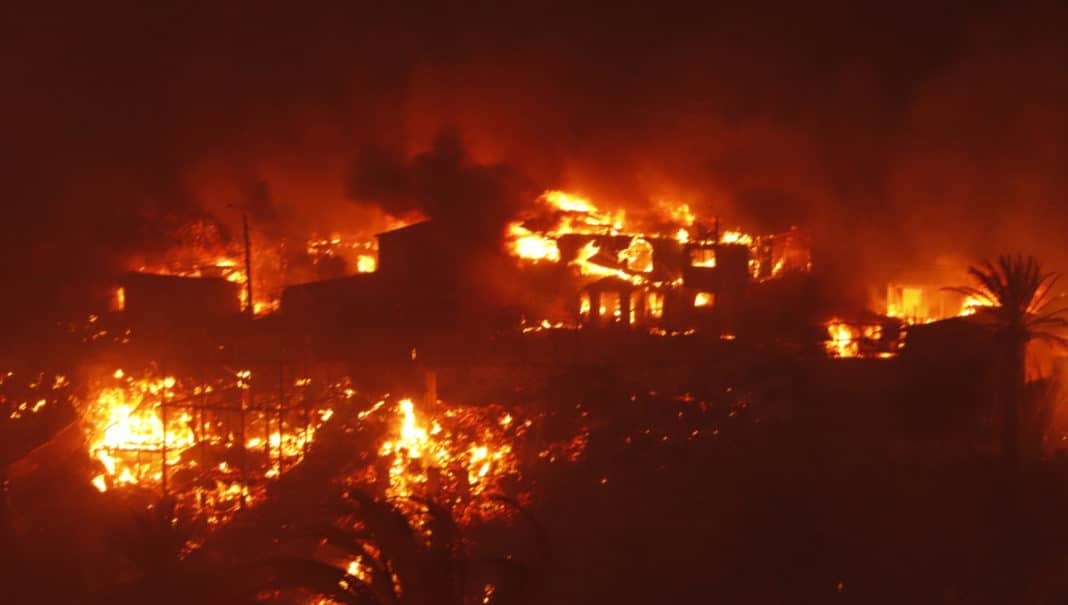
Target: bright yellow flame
[[423, 454], [703, 299], [584, 304], [972, 304], [140, 430], [843, 341], [366, 263], [736, 237], [568, 202], [638, 256], [532, 246], [128, 421], [655, 304]]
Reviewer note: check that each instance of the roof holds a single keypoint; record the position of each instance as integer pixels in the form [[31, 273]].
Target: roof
[[407, 229]]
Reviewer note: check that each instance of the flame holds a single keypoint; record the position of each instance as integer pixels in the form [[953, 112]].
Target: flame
[[703, 257], [920, 305], [568, 202], [146, 432], [679, 213], [703, 299], [638, 256], [534, 237], [843, 340], [971, 305], [127, 422], [365, 263], [532, 246], [460, 454], [736, 237], [359, 254]]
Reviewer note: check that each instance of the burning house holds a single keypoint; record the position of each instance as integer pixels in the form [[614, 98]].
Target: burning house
[[571, 265]]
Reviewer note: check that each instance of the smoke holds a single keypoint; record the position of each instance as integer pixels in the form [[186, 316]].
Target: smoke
[[474, 200], [899, 139]]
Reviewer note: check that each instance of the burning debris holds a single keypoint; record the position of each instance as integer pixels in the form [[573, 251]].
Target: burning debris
[[338, 256], [215, 447], [24, 396], [212, 445], [863, 339], [668, 275]]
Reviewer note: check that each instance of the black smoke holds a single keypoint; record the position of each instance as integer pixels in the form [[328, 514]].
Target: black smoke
[[475, 201], [900, 133]]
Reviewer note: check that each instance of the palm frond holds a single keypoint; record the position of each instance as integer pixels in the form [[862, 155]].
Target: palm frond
[[1020, 294]]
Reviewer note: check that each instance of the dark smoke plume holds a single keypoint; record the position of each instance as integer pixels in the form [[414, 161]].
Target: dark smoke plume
[[445, 184]]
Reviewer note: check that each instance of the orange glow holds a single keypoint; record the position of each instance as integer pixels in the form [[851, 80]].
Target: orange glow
[[532, 246], [736, 237], [584, 304], [125, 421], [366, 263], [558, 214], [638, 256], [704, 299], [357, 253], [118, 299], [569, 202], [842, 340], [655, 304], [703, 257], [972, 304], [924, 304], [460, 453], [143, 432]]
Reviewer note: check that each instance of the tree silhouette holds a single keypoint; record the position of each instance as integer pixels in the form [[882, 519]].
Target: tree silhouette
[[1014, 298]]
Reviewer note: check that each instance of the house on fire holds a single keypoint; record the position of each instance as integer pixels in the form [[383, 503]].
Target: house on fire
[[667, 284], [428, 280]]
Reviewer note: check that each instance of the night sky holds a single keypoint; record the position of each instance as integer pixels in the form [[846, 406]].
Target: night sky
[[900, 133]]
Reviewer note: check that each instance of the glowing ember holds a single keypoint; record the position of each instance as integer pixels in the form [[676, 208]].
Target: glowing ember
[[24, 396], [161, 435], [457, 455], [354, 253]]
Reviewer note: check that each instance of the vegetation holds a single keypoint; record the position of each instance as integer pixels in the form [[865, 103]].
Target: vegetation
[[1016, 297]]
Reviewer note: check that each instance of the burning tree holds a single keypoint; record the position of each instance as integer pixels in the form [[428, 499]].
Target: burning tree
[[1015, 296]]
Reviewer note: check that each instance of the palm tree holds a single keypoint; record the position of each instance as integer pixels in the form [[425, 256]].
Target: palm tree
[[1013, 298], [402, 564]]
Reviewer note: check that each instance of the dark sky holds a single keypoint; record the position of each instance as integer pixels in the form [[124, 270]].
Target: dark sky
[[909, 132]]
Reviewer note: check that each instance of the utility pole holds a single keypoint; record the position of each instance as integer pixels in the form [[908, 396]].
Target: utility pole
[[249, 306]]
